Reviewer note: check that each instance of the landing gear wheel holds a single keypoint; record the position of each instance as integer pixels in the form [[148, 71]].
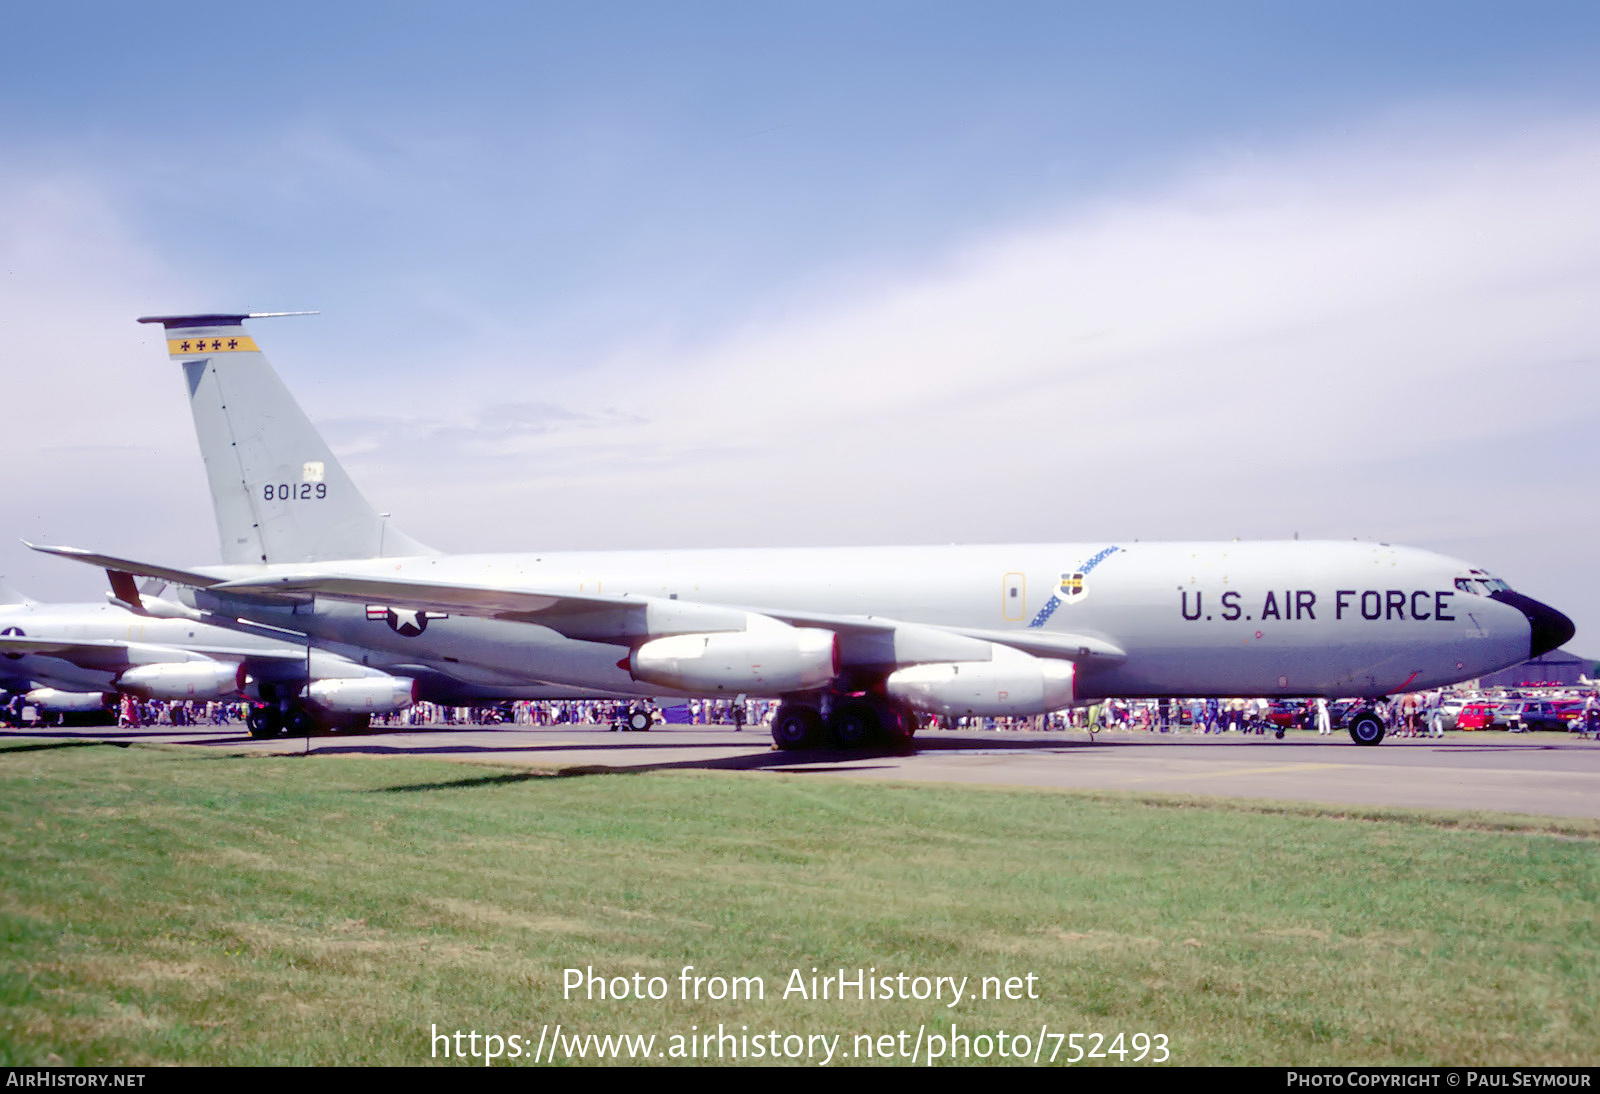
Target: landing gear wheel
[[898, 724], [639, 721], [299, 723], [795, 727], [1366, 728], [263, 723], [854, 724]]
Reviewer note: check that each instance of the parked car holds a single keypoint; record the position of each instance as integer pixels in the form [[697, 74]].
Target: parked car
[[1288, 713], [1448, 710], [1528, 715], [1478, 715], [1570, 711]]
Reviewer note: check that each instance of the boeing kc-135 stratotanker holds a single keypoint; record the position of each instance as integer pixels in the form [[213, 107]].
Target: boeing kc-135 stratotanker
[[854, 641]]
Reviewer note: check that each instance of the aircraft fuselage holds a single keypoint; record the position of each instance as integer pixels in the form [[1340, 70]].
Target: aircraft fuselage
[[1156, 619]]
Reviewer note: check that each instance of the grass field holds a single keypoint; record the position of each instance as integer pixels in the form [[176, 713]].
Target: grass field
[[170, 905]]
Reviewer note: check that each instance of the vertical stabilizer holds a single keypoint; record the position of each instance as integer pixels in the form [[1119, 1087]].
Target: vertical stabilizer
[[278, 492], [9, 594]]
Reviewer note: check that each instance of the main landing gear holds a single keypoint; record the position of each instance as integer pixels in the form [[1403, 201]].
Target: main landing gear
[[291, 718], [844, 721]]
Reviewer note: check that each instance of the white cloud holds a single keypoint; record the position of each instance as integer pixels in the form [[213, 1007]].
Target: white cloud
[[1349, 339], [1376, 336], [1323, 309], [100, 447]]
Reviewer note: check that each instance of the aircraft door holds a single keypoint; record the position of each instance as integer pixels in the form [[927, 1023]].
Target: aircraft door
[[1014, 598]]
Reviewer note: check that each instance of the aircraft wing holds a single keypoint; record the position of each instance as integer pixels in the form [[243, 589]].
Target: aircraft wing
[[591, 617], [630, 618], [87, 654], [1070, 647], [491, 602], [867, 642], [109, 654], [1081, 648]]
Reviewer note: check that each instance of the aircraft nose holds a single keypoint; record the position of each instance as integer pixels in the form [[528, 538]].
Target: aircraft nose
[[1550, 628]]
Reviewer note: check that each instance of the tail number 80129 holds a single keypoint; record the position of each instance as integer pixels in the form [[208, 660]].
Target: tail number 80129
[[289, 491]]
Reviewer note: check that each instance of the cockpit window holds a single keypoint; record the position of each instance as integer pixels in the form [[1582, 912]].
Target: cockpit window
[[1479, 583]]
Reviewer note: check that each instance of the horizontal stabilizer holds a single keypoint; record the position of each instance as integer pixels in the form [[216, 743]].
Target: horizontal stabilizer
[[215, 319], [128, 566]]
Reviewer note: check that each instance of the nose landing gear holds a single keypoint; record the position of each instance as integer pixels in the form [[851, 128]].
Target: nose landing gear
[[1366, 728]]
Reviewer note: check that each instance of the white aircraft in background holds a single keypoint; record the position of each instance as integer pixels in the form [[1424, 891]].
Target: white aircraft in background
[[854, 641], [78, 658]]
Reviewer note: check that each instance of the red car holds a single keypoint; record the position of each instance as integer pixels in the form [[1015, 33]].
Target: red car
[[1286, 714], [1476, 716], [1570, 710]]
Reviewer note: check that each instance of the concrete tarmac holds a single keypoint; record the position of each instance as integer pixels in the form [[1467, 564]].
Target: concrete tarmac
[[1540, 773]]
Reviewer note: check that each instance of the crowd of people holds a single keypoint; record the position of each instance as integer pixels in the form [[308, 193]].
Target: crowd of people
[[133, 712], [587, 712], [1412, 715]]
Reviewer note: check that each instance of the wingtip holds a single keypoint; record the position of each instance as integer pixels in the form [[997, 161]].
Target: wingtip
[[53, 549]]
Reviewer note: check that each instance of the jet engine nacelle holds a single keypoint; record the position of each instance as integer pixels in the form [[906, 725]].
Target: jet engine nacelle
[[363, 695], [184, 680], [1010, 683], [57, 701], [766, 658]]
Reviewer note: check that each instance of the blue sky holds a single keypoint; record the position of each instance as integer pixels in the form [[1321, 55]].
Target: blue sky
[[728, 274], [597, 167]]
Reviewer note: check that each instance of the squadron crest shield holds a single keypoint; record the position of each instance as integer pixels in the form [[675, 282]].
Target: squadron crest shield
[[1072, 588]]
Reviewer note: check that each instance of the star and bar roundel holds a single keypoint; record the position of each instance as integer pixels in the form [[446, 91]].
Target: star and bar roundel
[[406, 622], [236, 343]]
